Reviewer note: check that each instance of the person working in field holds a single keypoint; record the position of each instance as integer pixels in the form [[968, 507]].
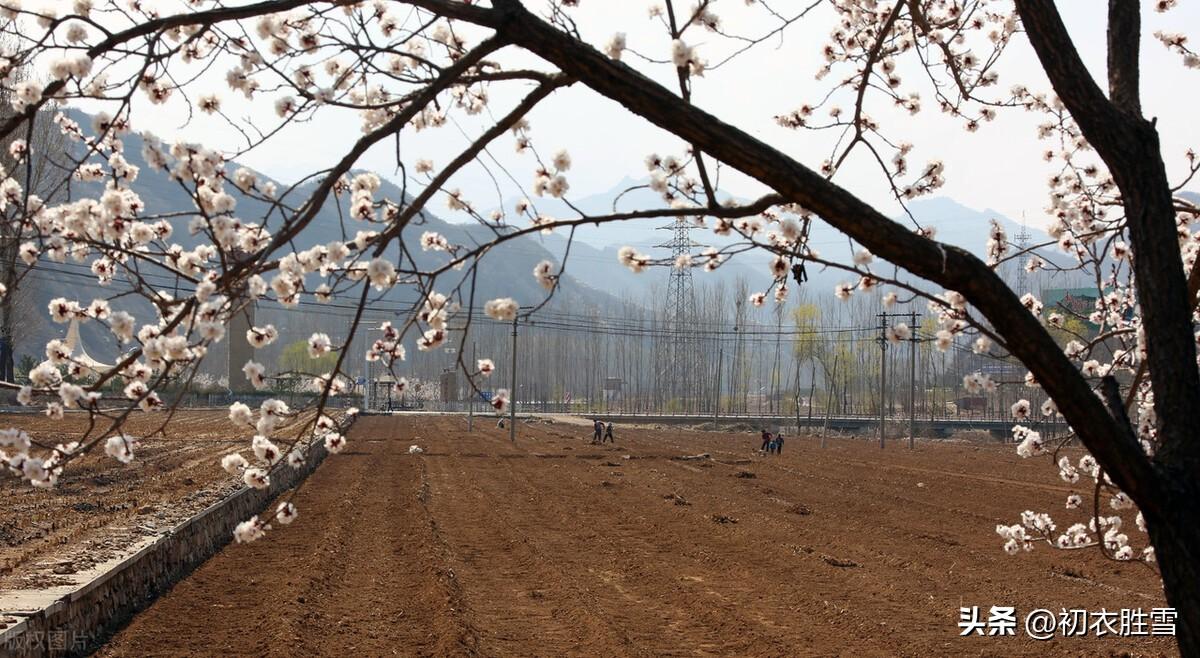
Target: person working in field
[[778, 443], [608, 435], [766, 441], [597, 428]]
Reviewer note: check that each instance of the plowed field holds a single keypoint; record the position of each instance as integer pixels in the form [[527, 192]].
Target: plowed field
[[553, 546], [101, 506]]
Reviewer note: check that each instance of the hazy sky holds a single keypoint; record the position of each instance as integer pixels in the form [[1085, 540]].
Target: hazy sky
[[997, 167]]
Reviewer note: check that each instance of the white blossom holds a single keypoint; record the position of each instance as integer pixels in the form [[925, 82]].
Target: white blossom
[[233, 463], [248, 530], [120, 448], [285, 513], [319, 344], [943, 339], [503, 309], [256, 478], [334, 442], [615, 46]]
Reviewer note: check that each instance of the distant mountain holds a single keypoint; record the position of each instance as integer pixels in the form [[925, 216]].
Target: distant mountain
[[594, 277], [594, 249], [964, 227], [957, 224], [505, 271]]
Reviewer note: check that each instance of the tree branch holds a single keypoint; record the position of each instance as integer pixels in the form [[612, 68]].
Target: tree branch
[[949, 266], [1124, 34], [470, 153], [150, 27], [1111, 392], [314, 203], [1129, 146], [1071, 79]]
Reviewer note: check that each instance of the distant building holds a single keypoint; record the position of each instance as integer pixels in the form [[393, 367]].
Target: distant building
[[449, 385], [612, 389], [1071, 302], [971, 403]]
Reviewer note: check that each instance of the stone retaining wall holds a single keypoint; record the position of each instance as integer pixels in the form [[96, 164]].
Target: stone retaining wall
[[82, 620]]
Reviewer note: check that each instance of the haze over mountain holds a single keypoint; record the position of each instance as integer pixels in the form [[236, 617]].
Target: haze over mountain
[[594, 276], [594, 250], [510, 264], [507, 269]]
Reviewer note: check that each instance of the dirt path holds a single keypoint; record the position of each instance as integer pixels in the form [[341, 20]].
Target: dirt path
[[557, 547]]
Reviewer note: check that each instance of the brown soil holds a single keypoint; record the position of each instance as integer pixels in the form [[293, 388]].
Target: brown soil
[[100, 506], [553, 546]]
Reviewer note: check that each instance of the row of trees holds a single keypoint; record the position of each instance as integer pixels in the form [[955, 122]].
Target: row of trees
[[801, 355]]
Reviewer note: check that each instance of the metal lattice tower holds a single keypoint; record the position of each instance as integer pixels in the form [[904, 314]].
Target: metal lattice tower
[[1022, 243], [682, 366]]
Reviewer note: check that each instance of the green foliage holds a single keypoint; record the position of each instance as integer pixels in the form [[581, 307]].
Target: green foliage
[[1073, 328], [808, 345], [24, 365], [295, 360]]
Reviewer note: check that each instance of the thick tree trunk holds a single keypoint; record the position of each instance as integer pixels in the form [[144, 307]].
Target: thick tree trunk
[[1176, 540], [1129, 145]]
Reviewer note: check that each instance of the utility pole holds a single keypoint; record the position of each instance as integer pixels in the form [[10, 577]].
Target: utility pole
[[512, 391], [776, 374], [717, 404], [882, 373], [367, 387], [471, 394], [796, 399], [912, 375], [735, 372], [366, 368]]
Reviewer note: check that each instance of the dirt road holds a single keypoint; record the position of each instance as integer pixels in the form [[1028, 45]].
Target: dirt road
[[556, 547]]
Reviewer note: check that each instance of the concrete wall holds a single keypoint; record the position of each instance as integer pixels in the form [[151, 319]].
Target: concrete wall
[[79, 622]]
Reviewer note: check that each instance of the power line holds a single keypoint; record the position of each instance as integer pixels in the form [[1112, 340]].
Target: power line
[[550, 319], [543, 316]]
